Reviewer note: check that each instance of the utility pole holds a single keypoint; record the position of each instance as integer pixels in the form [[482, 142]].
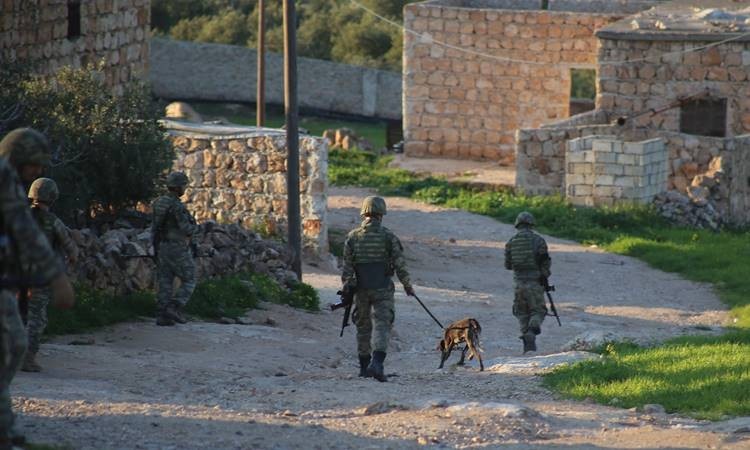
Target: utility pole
[[292, 135], [260, 96]]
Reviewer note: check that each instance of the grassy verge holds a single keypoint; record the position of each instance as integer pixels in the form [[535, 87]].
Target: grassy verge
[[245, 115], [706, 372], [228, 296]]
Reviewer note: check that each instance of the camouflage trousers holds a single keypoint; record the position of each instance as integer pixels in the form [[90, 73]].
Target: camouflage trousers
[[528, 304], [374, 314], [175, 261], [36, 321], [12, 349]]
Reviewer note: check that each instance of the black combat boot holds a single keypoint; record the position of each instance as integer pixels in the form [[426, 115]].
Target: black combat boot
[[364, 361], [173, 312], [375, 369], [529, 343], [163, 321]]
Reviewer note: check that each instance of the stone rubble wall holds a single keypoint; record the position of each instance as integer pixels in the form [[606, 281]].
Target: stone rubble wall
[[241, 178], [603, 171], [627, 89], [199, 71], [118, 260], [113, 31], [458, 104]]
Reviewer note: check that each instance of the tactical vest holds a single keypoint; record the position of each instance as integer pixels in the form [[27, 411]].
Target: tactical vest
[[522, 252], [372, 251], [46, 222]]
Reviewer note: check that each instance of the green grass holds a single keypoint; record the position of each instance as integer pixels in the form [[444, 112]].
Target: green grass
[[374, 132], [228, 296], [711, 375]]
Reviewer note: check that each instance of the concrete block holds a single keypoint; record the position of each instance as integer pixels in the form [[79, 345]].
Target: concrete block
[[634, 170], [571, 179], [582, 190], [604, 180], [580, 168], [608, 169], [626, 158], [575, 156], [604, 157], [601, 146], [633, 148], [627, 182]]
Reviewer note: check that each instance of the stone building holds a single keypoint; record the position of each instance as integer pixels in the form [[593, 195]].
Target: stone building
[[678, 73], [50, 34], [477, 70]]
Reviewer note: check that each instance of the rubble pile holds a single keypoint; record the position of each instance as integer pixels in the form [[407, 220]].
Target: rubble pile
[[120, 261], [702, 204], [346, 139]]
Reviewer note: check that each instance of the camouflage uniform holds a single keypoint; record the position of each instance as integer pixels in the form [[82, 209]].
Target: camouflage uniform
[[526, 255], [25, 254], [175, 227], [372, 253], [44, 193]]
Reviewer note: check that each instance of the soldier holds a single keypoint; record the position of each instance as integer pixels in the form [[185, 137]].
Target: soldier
[[372, 253], [172, 230], [526, 255], [43, 194], [25, 256]]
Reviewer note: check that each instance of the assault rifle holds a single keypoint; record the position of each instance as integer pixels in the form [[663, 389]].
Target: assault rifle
[[346, 302], [547, 289]]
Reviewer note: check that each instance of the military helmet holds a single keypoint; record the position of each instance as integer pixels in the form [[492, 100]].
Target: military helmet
[[177, 179], [373, 205], [524, 218], [25, 146], [44, 190]]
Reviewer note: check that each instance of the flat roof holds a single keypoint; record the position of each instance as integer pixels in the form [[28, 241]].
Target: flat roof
[[685, 20]]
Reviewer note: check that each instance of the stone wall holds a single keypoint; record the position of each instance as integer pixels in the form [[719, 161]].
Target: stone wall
[[462, 105], [238, 175], [197, 71], [540, 156], [112, 31], [627, 89], [737, 170], [603, 171]]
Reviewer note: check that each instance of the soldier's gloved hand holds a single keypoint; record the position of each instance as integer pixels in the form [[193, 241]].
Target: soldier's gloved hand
[[409, 291], [62, 292]]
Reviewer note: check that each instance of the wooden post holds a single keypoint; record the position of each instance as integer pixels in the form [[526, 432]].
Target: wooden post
[[292, 135], [260, 97]]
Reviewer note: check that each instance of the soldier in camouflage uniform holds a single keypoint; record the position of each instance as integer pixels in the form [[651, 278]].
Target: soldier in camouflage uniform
[[173, 229], [372, 253], [25, 258], [43, 194], [526, 255]]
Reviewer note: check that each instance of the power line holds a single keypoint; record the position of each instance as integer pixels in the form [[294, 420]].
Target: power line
[[427, 39]]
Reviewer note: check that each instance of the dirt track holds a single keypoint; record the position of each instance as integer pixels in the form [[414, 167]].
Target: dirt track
[[205, 385]]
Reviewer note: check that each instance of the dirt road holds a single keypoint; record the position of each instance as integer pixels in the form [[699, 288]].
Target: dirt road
[[294, 384]]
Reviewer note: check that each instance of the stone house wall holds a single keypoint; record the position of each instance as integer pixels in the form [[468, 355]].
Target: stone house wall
[[627, 89], [604, 170], [238, 175], [113, 31], [459, 104]]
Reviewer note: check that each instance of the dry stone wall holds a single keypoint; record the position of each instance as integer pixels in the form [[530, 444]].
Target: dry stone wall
[[462, 105], [114, 32], [238, 175], [627, 89], [603, 171]]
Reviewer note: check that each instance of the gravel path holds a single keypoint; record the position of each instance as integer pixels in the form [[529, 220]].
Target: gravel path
[[289, 382]]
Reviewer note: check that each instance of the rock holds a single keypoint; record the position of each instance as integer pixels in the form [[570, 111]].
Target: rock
[[699, 195], [380, 408], [83, 341], [653, 408], [680, 183], [690, 170], [590, 340], [182, 111]]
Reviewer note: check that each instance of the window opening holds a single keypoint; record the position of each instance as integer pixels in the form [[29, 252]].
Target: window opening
[[704, 117], [582, 90], [74, 19]]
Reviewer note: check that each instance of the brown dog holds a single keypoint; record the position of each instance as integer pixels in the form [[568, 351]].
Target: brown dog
[[463, 331]]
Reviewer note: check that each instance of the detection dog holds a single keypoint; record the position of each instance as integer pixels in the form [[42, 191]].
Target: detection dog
[[464, 331]]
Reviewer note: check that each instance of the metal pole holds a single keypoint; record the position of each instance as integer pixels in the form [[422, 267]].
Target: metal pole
[[292, 135], [260, 97]]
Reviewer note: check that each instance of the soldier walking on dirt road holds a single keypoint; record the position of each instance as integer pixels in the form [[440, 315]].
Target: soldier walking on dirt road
[[372, 254]]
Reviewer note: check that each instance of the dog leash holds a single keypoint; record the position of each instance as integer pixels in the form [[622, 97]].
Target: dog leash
[[428, 312]]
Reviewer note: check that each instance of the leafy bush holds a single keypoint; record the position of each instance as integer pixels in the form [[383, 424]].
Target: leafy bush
[[109, 150]]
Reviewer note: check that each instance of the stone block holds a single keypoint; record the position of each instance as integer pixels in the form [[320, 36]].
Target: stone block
[[604, 180], [629, 159]]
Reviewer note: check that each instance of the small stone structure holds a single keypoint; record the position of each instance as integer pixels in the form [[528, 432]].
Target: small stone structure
[[602, 170], [238, 175], [199, 71], [461, 103], [55, 33]]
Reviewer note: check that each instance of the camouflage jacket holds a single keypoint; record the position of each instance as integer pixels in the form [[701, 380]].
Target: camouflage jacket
[[527, 256], [370, 249], [56, 231], [172, 220], [25, 254]]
